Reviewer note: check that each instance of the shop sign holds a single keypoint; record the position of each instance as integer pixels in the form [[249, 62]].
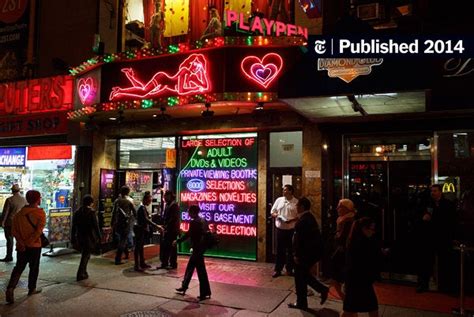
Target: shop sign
[[13, 156], [36, 96], [263, 26], [106, 201], [42, 124], [50, 152], [59, 226], [348, 69], [221, 177]]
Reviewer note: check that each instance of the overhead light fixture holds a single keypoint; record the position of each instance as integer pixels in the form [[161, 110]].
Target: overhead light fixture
[[207, 113], [356, 106]]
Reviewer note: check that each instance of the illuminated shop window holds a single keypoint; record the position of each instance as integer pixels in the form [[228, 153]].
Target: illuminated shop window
[[219, 174], [286, 149], [146, 153]]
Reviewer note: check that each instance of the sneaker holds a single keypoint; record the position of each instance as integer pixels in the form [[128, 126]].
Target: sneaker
[[145, 266], [276, 274]]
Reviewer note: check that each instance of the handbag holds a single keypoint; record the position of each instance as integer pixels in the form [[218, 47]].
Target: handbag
[[44, 240]]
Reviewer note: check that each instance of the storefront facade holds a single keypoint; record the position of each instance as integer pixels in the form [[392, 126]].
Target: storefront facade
[[36, 147]]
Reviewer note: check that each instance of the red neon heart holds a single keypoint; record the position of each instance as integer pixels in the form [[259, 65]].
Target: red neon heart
[[86, 89], [262, 71]]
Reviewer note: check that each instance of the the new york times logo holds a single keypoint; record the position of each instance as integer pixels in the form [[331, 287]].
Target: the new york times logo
[[384, 46]]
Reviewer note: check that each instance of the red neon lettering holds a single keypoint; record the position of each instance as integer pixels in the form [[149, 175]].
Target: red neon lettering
[[38, 95], [231, 16], [192, 77], [257, 25], [280, 28], [223, 142], [291, 30], [205, 196], [225, 185], [191, 143], [268, 26], [238, 197], [232, 230], [184, 226], [262, 71], [242, 25]]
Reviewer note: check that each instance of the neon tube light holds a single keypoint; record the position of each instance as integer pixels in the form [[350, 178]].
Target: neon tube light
[[191, 77], [262, 71]]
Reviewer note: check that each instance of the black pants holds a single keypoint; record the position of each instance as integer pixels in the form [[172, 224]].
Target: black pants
[[9, 237], [30, 256], [196, 261], [138, 251], [168, 252], [303, 278], [426, 262], [85, 257], [122, 247], [284, 250]]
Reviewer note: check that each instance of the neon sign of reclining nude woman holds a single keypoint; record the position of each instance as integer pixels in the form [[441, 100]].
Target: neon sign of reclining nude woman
[[192, 77]]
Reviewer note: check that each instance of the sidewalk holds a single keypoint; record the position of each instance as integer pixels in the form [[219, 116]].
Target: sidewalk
[[238, 289]]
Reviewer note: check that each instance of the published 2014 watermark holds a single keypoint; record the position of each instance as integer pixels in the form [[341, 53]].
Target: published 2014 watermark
[[384, 47]]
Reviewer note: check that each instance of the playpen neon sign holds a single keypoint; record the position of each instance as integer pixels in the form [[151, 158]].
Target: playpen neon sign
[[192, 77], [263, 26], [262, 71]]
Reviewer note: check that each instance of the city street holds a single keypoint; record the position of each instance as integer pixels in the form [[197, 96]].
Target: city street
[[238, 289]]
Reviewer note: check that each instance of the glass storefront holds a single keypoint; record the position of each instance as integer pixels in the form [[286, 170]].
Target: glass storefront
[[48, 169]]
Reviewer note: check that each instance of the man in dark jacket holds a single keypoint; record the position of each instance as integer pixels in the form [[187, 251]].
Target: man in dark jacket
[[168, 252], [85, 234], [307, 248], [123, 217], [436, 238]]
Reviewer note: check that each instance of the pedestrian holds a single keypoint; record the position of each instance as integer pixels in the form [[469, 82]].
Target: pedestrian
[[307, 246], [197, 228], [363, 257], [285, 215], [27, 228], [85, 234], [141, 229], [123, 216], [346, 214], [436, 238], [168, 252], [12, 205]]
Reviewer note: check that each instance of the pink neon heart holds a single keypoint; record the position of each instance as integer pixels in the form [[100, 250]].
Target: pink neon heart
[[86, 89], [262, 71]]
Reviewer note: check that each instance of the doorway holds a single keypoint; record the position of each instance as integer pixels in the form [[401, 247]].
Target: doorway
[[388, 179]]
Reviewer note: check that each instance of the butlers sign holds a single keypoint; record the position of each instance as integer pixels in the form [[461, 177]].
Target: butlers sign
[[35, 107]]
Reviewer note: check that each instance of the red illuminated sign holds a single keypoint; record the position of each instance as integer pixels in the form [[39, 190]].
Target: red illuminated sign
[[263, 26], [35, 124], [50, 152], [87, 90], [192, 77], [36, 96], [262, 71]]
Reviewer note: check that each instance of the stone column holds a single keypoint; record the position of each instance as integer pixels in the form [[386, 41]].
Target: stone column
[[312, 163], [262, 197]]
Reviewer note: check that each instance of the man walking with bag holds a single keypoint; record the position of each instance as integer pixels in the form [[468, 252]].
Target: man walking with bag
[[27, 228], [12, 205]]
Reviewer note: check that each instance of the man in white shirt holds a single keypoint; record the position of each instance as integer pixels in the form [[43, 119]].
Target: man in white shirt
[[285, 213]]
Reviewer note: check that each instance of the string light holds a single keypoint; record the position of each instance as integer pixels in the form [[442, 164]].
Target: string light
[[185, 47]]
